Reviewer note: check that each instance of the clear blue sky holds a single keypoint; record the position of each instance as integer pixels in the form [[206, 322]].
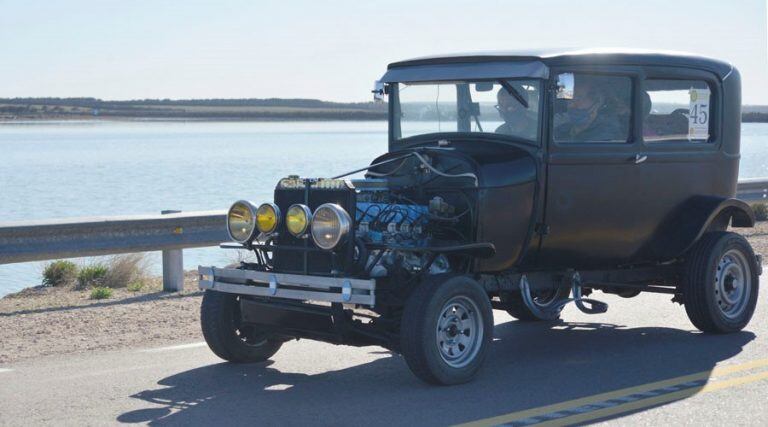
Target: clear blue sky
[[333, 49]]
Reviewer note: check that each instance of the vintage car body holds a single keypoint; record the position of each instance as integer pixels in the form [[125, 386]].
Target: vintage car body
[[448, 224]]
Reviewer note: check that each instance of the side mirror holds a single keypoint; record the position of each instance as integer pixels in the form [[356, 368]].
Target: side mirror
[[378, 91], [484, 86], [565, 85]]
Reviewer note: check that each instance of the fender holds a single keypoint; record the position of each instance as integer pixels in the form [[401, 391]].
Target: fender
[[686, 224]]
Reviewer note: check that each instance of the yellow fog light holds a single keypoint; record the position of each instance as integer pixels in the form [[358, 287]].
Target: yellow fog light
[[297, 219], [241, 221], [267, 218]]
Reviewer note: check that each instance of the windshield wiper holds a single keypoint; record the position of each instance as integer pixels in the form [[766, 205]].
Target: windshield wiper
[[514, 92], [477, 122]]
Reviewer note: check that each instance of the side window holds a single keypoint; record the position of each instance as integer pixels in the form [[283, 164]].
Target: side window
[[675, 110], [592, 108]]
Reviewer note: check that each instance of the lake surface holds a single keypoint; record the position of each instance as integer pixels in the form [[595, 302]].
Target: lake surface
[[69, 169]]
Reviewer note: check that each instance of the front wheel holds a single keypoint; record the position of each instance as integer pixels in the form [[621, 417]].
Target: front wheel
[[446, 330], [227, 336], [720, 283]]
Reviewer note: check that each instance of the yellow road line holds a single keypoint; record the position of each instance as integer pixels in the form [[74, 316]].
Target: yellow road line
[[645, 403], [533, 412]]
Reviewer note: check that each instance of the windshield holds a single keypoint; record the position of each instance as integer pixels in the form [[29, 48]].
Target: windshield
[[502, 107]]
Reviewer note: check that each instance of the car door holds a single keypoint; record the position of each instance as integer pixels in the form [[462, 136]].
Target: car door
[[681, 137], [597, 200]]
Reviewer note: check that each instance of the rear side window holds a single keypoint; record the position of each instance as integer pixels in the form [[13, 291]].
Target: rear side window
[[592, 108], [676, 110]]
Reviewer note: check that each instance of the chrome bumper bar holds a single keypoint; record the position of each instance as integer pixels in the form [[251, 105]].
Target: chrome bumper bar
[[289, 286]]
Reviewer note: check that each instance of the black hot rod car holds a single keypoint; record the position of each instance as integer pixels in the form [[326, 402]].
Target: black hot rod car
[[518, 182]]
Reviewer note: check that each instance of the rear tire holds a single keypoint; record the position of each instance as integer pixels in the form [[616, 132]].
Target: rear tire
[[227, 337], [720, 283], [515, 306], [446, 330]]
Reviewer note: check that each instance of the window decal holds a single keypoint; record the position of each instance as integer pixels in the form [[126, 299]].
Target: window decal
[[698, 116]]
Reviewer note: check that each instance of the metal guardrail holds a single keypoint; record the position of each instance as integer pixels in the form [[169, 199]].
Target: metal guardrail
[[753, 190], [170, 233], [80, 237]]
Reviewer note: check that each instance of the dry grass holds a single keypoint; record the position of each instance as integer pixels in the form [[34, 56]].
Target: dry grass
[[757, 236], [60, 273], [91, 276], [123, 270], [761, 211]]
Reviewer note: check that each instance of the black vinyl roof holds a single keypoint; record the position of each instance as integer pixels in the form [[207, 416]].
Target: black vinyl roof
[[579, 56]]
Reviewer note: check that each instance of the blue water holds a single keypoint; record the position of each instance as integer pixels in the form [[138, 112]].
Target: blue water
[[68, 169]]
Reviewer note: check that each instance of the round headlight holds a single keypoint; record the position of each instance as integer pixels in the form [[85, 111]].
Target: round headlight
[[267, 218], [297, 219], [241, 221], [330, 225]]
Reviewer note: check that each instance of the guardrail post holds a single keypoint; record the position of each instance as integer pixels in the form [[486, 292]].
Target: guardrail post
[[173, 266]]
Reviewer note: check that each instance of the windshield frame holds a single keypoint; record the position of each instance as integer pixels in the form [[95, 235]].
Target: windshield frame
[[394, 122]]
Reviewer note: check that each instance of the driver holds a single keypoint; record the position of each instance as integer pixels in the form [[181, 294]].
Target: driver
[[518, 120], [590, 115]]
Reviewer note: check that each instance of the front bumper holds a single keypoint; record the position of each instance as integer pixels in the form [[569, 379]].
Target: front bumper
[[288, 286]]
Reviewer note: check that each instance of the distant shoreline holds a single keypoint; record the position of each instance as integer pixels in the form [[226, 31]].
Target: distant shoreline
[[276, 109], [754, 117], [38, 119], [14, 110], [746, 118]]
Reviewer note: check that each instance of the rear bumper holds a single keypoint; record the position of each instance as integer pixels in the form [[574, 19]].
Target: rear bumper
[[288, 286]]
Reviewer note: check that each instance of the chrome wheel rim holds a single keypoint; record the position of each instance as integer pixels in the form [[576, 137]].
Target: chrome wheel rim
[[459, 332], [733, 284], [247, 334]]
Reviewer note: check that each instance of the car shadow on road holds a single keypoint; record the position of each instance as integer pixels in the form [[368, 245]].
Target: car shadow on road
[[530, 365]]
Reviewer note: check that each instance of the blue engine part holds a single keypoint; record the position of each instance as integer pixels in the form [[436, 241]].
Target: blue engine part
[[384, 221]]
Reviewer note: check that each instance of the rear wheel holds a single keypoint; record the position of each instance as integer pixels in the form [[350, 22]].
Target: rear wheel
[[227, 336], [446, 330], [549, 304], [720, 283]]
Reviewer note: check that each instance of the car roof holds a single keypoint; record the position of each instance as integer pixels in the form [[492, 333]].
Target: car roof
[[596, 56]]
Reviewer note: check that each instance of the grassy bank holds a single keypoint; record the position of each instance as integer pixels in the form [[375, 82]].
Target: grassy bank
[[203, 109]]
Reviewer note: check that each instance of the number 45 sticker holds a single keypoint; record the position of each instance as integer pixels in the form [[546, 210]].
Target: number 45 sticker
[[698, 116]]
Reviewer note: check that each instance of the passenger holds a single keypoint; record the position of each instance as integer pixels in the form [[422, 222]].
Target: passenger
[[518, 120], [592, 115]]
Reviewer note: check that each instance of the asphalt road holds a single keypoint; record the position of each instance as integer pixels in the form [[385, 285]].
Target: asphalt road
[[640, 363]]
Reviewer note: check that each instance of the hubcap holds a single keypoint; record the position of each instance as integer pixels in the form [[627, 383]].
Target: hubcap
[[459, 332], [733, 284], [248, 334]]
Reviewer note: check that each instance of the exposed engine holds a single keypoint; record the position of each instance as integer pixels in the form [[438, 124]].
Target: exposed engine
[[386, 218], [402, 217]]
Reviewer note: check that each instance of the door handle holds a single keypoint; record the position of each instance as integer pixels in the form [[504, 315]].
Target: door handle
[[640, 158]]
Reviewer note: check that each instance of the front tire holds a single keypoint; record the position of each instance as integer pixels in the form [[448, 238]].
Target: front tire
[[227, 337], [446, 330], [720, 283]]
